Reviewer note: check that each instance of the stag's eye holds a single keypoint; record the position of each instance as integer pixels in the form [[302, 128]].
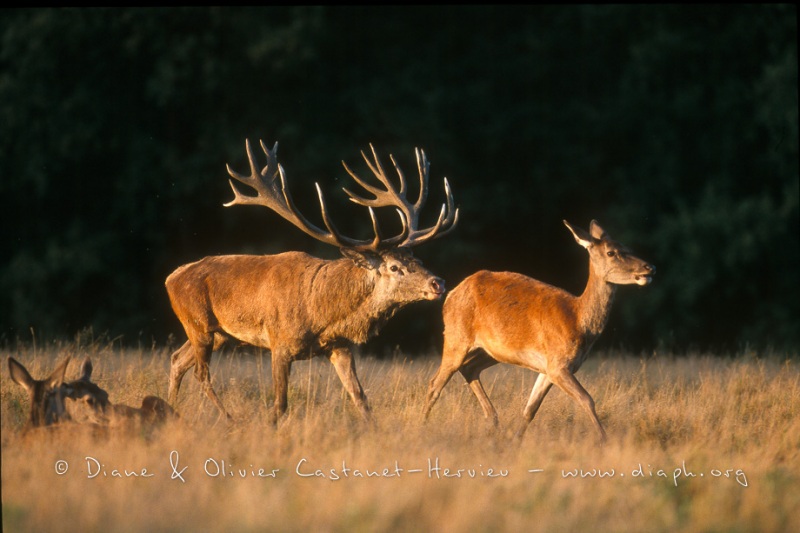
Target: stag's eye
[[611, 253], [394, 268]]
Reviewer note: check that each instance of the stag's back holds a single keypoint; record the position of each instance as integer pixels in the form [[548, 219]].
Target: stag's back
[[263, 299]]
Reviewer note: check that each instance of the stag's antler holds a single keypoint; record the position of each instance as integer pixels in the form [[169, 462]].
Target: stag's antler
[[409, 213], [273, 193]]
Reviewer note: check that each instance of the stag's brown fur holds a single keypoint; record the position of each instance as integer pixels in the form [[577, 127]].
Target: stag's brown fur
[[300, 306], [296, 305]]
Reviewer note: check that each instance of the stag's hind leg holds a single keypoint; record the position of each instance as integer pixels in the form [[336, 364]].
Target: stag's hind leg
[[195, 352], [201, 372], [182, 360]]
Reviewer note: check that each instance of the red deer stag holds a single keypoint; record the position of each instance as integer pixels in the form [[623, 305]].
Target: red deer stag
[[504, 317], [299, 306], [153, 412], [46, 395]]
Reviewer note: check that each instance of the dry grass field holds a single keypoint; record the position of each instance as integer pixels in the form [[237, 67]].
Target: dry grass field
[[696, 443]]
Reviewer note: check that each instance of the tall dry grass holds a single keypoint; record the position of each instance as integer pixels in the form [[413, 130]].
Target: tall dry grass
[[696, 443]]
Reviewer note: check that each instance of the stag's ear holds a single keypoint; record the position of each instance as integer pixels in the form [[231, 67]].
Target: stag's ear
[[596, 231], [363, 258], [581, 237]]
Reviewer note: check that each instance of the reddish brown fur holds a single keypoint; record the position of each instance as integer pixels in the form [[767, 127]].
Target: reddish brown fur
[[505, 317], [294, 304], [299, 306]]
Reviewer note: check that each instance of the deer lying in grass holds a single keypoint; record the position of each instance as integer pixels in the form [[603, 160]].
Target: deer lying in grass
[[153, 412], [504, 317], [299, 306], [48, 401], [46, 396]]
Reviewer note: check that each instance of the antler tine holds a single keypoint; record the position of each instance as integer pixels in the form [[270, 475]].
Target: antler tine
[[360, 200], [395, 197], [377, 240], [383, 197], [424, 167], [252, 180], [448, 218], [382, 175], [274, 194], [341, 240], [408, 212]]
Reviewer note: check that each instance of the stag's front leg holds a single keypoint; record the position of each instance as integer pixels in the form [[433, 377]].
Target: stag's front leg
[[281, 366], [343, 362]]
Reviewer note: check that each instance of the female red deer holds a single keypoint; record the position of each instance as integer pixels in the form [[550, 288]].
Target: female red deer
[[504, 317], [48, 402], [45, 395], [299, 306], [153, 412]]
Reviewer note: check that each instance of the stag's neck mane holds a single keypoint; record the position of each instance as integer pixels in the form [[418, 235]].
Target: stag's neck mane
[[594, 305], [347, 305]]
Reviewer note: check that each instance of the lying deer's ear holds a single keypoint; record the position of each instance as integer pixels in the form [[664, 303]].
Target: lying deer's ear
[[86, 370], [56, 378], [363, 258], [581, 237], [19, 374]]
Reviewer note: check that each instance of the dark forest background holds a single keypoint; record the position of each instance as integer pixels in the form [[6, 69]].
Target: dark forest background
[[676, 127]]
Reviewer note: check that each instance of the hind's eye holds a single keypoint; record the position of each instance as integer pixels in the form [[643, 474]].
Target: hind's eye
[[394, 268], [611, 253]]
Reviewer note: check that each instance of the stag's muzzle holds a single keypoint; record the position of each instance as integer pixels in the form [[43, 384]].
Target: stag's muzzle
[[435, 289]]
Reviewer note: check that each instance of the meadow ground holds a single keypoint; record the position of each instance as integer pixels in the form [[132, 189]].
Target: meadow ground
[[696, 443]]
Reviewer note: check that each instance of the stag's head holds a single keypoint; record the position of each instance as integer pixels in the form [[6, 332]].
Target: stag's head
[[46, 395], [612, 261], [397, 275]]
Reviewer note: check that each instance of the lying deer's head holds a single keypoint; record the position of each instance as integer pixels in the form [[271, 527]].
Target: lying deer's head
[[46, 396], [86, 392]]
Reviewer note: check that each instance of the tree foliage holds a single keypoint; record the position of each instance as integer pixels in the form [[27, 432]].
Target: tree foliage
[[674, 126]]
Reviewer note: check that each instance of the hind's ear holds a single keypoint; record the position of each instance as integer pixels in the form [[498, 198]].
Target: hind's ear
[[86, 370], [362, 258], [581, 237], [596, 231], [56, 378], [19, 374]]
